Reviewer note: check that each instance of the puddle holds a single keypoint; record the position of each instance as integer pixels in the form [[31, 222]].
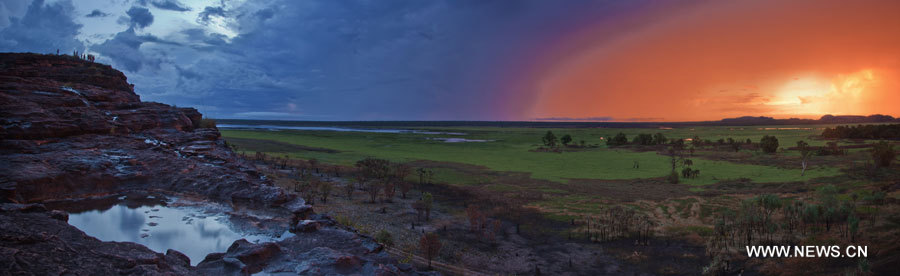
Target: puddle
[[459, 140], [190, 230]]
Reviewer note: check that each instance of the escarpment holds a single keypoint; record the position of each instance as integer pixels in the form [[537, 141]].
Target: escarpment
[[73, 129]]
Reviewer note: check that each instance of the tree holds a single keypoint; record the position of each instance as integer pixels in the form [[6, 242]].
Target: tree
[[805, 153], [389, 191], [643, 139], [673, 177], [550, 139], [419, 206], [736, 147], [827, 196], [309, 190], [401, 171], [475, 217], [769, 144], [686, 172], [313, 164], [659, 139], [325, 190], [883, 154], [430, 245], [678, 144], [696, 142], [375, 173], [875, 198], [675, 158], [404, 188], [618, 140], [348, 189], [769, 203], [566, 139], [425, 176], [372, 188], [428, 200], [496, 228]]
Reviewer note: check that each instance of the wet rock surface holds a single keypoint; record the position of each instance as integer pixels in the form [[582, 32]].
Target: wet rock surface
[[73, 129], [33, 242]]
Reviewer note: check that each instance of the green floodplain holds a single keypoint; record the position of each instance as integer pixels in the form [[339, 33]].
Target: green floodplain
[[513, 150]]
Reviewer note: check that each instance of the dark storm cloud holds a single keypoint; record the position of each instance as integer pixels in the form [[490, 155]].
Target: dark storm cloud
[[359, 60], [43, 29], [211, 11], [125, 50], [172, 5], [97, 13], [140, 17], [337, 60], [199, 35]]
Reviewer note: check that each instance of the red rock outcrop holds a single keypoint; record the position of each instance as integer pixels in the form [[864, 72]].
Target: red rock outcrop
[[71, 128]]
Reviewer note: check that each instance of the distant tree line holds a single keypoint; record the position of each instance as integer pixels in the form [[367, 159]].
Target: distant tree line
[[643, 139], [551, 141], [769, 143], [891, 131]]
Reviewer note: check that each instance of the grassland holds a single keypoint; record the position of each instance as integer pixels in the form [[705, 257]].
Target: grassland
[[510, 150], [554, 195]]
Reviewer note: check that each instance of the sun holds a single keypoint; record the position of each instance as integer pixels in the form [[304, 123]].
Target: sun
[[801, 96], [813, 95]]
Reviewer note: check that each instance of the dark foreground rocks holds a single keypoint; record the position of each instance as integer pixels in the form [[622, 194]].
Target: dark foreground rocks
[[35, 242], [72, 129]]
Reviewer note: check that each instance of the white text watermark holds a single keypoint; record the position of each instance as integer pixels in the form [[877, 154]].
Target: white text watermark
[[807, 251]]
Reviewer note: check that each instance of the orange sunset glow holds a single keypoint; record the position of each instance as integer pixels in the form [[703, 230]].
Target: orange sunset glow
[[724, 59]]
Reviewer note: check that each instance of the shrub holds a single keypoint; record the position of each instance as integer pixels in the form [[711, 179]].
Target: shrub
[[619, 140], [430, 245], [883, 154], [207, 123], [686, 172], [566, 139], [769, 144], [643, 139], [384, 237], [549, 139]]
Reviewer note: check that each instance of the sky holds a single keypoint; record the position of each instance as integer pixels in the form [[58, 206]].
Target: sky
[[586, 60]]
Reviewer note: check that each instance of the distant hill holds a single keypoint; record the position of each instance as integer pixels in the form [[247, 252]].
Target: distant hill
[[826, 119]]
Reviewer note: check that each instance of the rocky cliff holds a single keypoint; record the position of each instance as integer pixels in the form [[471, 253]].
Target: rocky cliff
[[71, 129]]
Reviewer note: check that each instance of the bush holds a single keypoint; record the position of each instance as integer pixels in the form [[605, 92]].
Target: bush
[[207, 123], [619, 140], [384, 237], [566, 139], [643, 139], [549, 139], [883, 154], [769, 144]]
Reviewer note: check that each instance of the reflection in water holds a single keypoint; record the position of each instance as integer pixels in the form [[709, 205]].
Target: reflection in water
[[188, 230]]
